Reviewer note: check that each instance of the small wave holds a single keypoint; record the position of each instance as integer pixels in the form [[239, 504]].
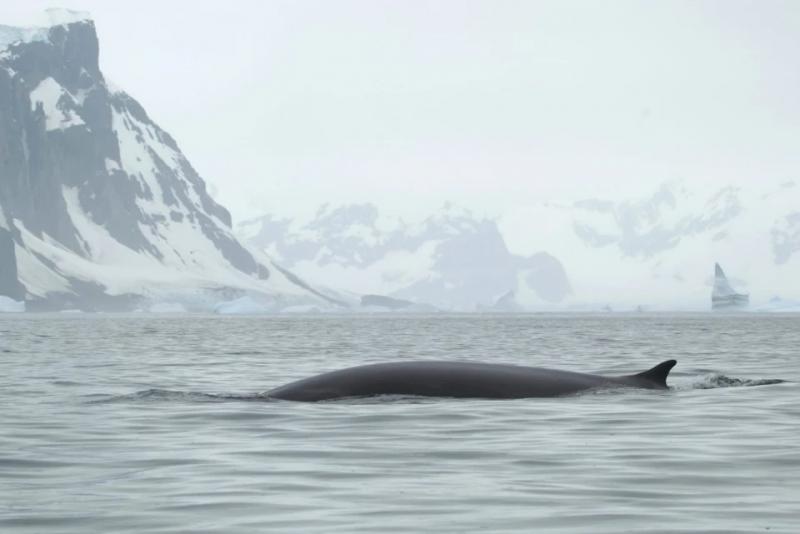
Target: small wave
[[387, 399], [65, 383], [168, 395], [717, 380], [710, 381]]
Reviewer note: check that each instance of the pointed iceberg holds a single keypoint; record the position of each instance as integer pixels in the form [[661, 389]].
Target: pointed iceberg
[[723, 296]]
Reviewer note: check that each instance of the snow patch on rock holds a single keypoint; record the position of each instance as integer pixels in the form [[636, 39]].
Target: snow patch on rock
[[56, 103]]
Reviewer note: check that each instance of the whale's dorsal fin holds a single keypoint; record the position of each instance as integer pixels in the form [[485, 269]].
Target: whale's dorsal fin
[[658, 374]]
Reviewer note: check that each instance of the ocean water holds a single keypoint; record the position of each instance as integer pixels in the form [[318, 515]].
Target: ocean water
[[155, 424]]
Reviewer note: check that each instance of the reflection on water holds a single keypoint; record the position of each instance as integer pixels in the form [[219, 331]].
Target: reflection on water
[[156, 424]]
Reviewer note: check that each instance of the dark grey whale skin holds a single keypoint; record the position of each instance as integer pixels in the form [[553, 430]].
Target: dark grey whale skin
[[459, 380]]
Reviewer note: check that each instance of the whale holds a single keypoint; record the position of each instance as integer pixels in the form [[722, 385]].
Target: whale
[[460, 380]]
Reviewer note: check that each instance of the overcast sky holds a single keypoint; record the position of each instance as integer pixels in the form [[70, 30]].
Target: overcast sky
[[283, 105]]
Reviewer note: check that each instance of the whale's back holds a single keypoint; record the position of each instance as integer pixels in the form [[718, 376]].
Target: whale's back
[[451, 379]]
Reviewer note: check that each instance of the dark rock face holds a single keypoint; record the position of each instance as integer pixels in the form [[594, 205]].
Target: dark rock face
[[69, 144], [37, 162], [9, 285]]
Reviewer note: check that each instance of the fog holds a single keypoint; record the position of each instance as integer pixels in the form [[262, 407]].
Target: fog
[[283, 105], [639, 140]]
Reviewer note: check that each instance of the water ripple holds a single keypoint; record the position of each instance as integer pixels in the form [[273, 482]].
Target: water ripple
[[136, 424], [167, 395]]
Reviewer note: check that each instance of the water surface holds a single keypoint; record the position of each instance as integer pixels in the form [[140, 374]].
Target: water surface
[[155, 424]]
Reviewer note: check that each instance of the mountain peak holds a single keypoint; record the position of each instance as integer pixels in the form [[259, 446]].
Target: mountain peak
[[57, 16], [40, 28], [66, 49]]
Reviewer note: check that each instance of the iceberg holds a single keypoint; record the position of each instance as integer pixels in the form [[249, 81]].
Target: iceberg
[[9, 305], [723, 296], [777, 304]]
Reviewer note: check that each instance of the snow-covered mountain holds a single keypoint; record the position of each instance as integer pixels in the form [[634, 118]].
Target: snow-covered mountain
[[656, 252], [659, 251], [452, 260], [99, 209]]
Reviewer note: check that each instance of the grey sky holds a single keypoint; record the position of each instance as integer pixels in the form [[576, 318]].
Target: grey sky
[[282, 105]]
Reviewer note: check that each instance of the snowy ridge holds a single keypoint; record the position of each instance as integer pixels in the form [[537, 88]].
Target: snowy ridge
[[452, 260], [656, 252]]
